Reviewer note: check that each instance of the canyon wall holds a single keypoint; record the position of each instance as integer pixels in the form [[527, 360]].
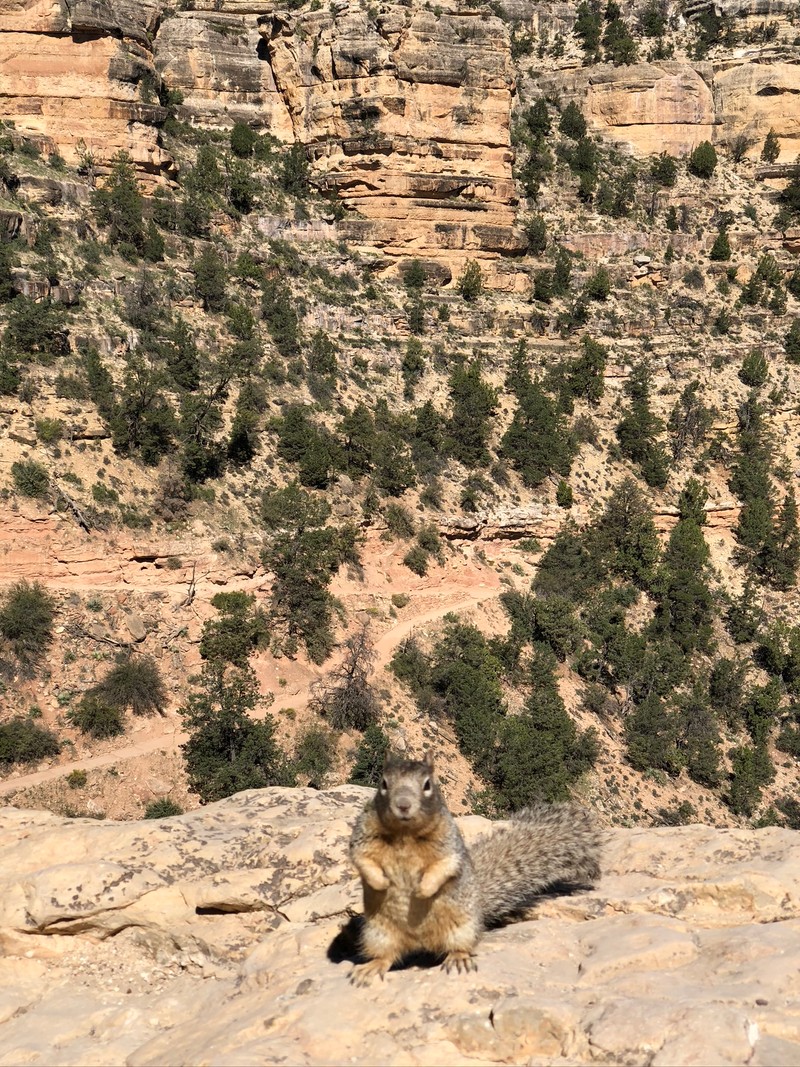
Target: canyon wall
[[405, 110]]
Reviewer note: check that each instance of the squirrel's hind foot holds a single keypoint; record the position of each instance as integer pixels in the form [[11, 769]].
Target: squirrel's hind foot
[[463, 962], [363, 973]]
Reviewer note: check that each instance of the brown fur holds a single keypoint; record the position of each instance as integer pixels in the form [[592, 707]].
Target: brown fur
[[423, 891]]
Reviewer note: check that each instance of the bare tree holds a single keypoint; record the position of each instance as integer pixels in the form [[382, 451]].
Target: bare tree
[[344, 696]]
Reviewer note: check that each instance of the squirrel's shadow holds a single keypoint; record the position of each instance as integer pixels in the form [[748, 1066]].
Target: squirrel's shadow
[[345, 948], [346, 945]]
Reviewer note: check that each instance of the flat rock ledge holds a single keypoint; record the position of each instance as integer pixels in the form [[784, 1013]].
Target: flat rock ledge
[[211, 938]]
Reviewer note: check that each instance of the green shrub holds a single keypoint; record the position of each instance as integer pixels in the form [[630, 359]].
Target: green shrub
[[77, 779], [791, 342], [703, 160], [772, 147], [135, 683], [162, 809], [243, 140], [721, 249], [27, 612], [96, 717], [470, 284], [564, 496], [536, 232], [754, 370], [30, 478], [370, 757], [651, 733], [414, 275], [49, 430], [227, 750], [21, 741], [416, 559], [313, 756], [572, 123], [598, 286], [664, 170], [238, 632], [293, 174], [399, 521]]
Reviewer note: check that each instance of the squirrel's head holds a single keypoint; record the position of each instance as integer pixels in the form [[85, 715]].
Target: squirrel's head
[[408, 793]]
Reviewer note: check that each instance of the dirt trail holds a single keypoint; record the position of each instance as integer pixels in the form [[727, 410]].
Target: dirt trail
[[452, 597]]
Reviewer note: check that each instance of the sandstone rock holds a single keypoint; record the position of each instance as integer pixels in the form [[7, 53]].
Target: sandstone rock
[[649, 107], [224, 950], [135, 625], [217, 62], [71, 75], [752, 98]]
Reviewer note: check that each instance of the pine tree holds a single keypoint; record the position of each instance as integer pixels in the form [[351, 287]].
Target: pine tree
[[473, 403], [650, 734], [791, 342], [639, 429], [685, 608], [624, 538], [699, 738], [721, 249], [772, 147], [228, 751], [537, 441], [703, 160]]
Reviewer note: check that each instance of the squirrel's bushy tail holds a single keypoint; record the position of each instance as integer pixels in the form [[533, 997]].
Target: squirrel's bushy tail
[[542, 845]]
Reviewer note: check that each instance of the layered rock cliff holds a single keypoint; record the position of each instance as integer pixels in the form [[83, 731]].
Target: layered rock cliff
[[405, 111]]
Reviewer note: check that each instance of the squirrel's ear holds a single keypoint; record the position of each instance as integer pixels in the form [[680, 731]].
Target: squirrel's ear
[[390, 759], [427, 759]]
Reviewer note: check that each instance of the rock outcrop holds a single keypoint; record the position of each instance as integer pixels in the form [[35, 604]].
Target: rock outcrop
[[78, 74], [212, 937], [406, 114], [647, 107], [219, 64]]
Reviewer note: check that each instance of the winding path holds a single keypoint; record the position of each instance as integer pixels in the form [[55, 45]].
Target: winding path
[[455, 598]]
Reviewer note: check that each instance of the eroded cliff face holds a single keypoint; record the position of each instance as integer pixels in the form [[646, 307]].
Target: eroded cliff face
[[406, 114], [405, 111], [74, 73]]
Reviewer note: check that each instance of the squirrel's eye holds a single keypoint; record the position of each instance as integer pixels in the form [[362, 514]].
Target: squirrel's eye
[[384, 786], [426, 786]]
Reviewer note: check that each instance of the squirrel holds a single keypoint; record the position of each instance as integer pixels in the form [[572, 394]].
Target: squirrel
[[424, 891]]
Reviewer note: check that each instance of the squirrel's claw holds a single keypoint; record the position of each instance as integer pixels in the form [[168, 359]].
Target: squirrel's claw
[[363, 973], [463, 962]]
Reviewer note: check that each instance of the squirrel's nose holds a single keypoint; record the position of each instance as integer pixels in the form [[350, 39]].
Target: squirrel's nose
[[404, 807]]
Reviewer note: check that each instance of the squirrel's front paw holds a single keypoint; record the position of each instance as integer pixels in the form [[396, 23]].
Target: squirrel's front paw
[[374, 876], [429, 884], [363, 973], [378, 881], [460, 961]]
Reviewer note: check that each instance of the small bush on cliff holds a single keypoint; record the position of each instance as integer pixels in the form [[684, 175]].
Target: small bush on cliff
[[96, 717], [119, 205], [162, 809], [238, 632], [721, 248], [22, 741], [772, 147], [27, 612], [30, 478], [703, 160], [134, 683], [754, 370], [470, 284], [370, 756], [243, 140]]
